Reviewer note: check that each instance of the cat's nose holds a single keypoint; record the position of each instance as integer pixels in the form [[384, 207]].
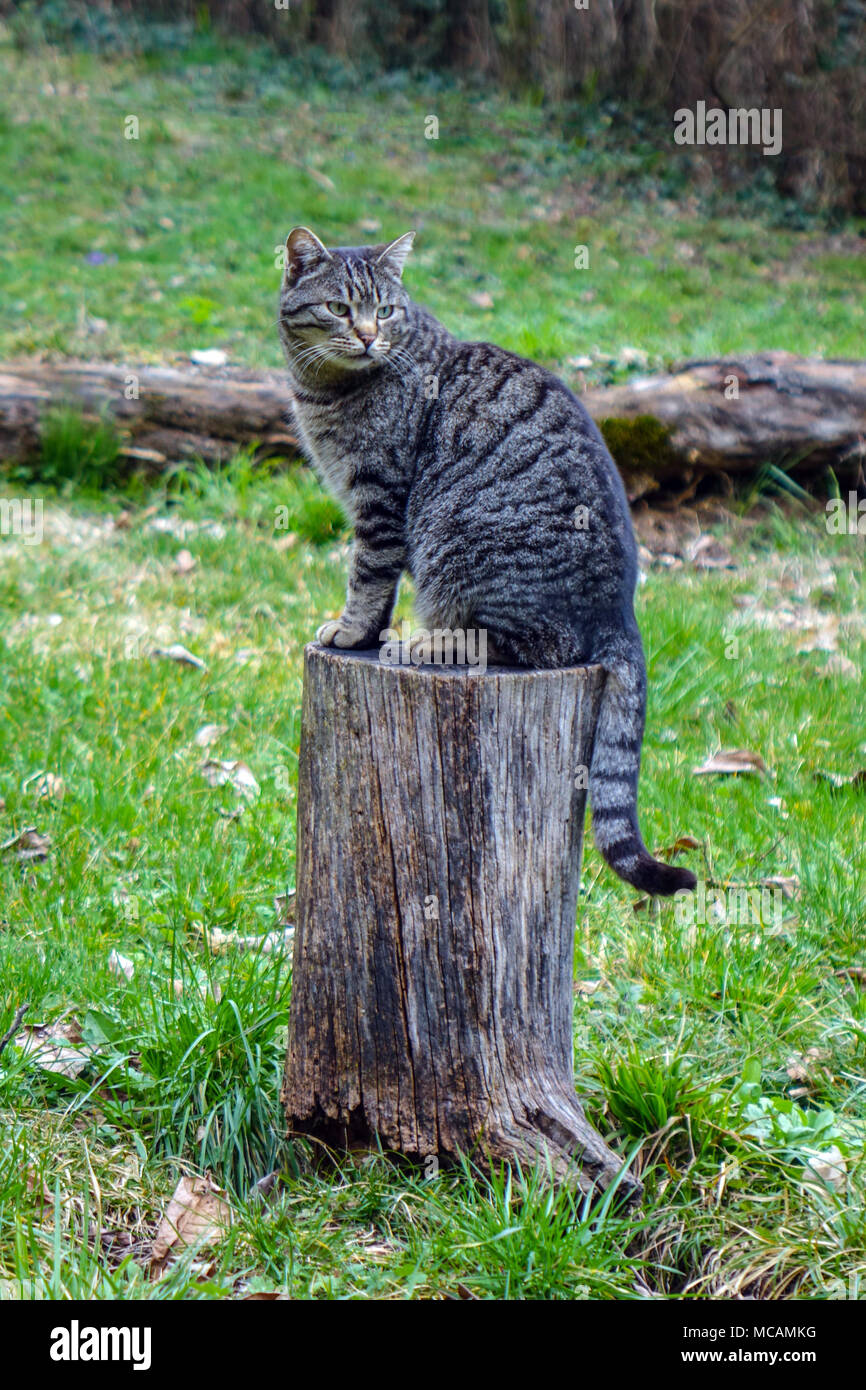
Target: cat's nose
[[366, 336]]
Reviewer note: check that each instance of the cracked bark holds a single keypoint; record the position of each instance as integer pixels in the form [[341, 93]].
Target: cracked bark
[[440, 831]]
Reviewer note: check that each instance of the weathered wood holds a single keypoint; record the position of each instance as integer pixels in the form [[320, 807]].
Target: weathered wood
[[737, 414], [440, 828], [802, 412], [163, 414]]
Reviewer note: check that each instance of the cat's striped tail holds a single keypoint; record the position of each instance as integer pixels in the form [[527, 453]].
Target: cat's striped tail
[[613, 774]]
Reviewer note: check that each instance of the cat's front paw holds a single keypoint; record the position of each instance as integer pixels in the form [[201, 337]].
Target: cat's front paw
[[339, 633]]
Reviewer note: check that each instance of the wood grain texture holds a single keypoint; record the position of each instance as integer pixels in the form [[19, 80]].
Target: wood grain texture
[[805, 412], [440, 827]]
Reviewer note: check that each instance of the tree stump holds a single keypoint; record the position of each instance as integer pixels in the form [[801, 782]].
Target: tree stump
[[440, 830]]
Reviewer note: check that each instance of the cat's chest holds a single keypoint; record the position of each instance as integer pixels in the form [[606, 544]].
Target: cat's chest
[[328, 444]]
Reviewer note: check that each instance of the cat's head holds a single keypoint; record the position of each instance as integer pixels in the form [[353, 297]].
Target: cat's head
[[342, 308]]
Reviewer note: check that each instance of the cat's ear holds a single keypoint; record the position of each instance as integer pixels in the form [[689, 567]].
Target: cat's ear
[[393, 258], [303, 252]]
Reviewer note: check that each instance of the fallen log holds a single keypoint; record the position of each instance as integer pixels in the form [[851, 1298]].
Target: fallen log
[[736, 415], [163, 414], [731, 415]]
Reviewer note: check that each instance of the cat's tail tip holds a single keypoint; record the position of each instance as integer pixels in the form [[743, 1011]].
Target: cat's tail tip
[[662, 880]]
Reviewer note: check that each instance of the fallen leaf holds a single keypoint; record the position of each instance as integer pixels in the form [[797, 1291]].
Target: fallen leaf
[[706, 553], [829, 1167], [585, 988], [46, 786], [853, 972], [209, 357], [323, 180], [39, 1187], [284, 907], [805, 1066], [121, 965], [196, 1215], [840, 665], [55, 1047], [824, 638], [29, 844], [180, 654], [842, 779], [632, 357], [209, 733], [483, 299], [684, 842], [185, 562], [788, 885], [234, 772], [732, 760], [219, 942]]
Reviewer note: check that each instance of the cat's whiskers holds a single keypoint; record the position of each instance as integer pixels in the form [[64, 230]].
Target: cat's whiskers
[[403, 356]]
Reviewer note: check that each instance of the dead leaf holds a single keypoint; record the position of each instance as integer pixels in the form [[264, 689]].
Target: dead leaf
[[208, 357], [802, 1066], [55, 1047], [684, 842], [857, 973], [39, 1187], [196, 1215], [829, 1167], [185, 562], [235, 773], [842, 779], [789, 885], [732, 760], [706, 553], [483, 299], [585, 988], [180, 654], [823, 638], [121, 966], [27, 845], [209, 733], [219, 942], [284, 907], [46, 786], [840, 665]]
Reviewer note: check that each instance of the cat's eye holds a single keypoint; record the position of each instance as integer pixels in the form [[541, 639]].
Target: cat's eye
[[384, 311], [334, 307]]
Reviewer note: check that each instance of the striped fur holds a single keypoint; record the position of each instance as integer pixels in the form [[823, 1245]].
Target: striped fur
[[464, 464]]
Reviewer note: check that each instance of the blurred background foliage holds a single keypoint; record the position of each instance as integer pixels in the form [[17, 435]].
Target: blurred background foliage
[[646, 57]]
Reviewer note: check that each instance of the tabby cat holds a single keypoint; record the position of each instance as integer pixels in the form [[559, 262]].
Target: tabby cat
[[469, 467]]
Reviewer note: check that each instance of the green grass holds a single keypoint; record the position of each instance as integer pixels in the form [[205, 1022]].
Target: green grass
[[185, 1068], [186, 221], [722, 1058]]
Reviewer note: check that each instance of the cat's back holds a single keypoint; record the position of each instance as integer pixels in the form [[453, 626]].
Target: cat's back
[[499, 416]]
